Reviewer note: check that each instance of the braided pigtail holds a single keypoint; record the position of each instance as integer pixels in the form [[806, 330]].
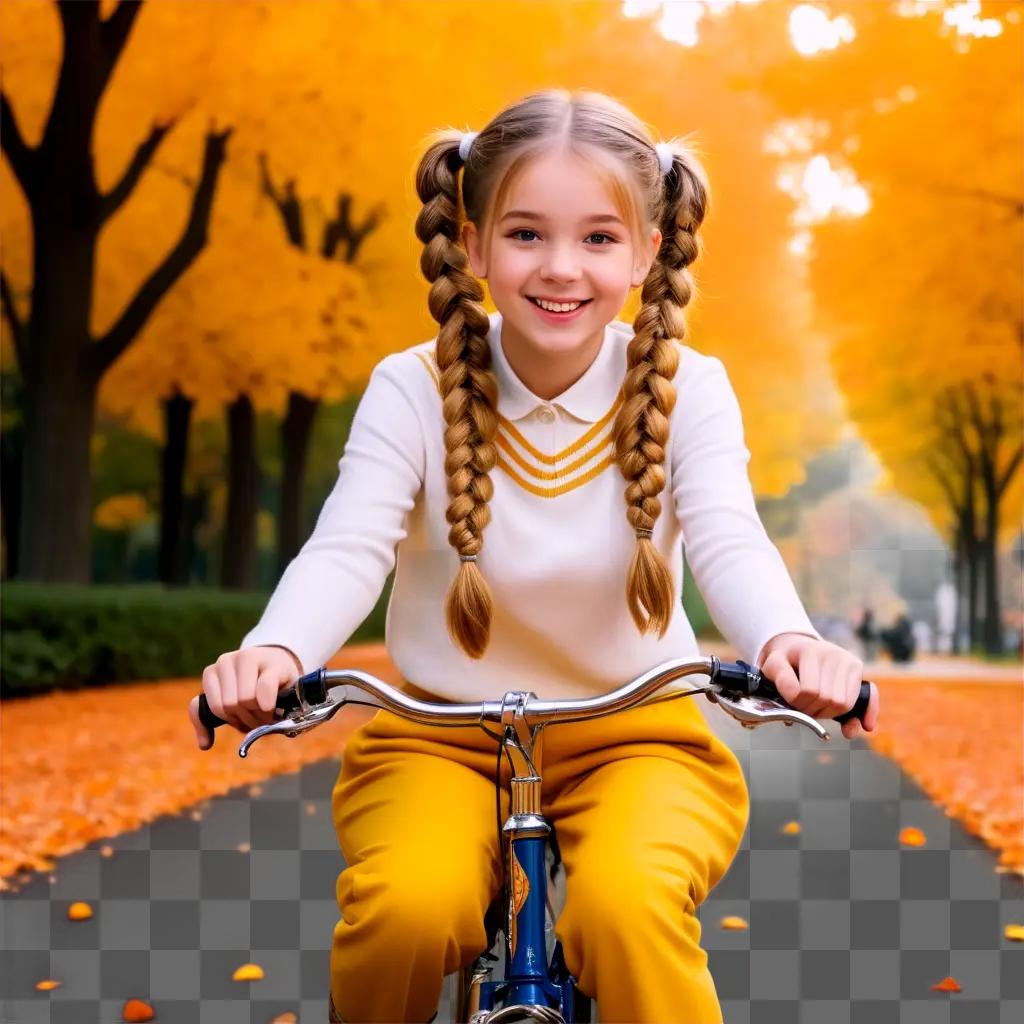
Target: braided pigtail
[[642, 425], [469, 389]]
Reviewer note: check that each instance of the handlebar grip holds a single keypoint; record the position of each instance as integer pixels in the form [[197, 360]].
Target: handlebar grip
[[311, 686], [747, 679]]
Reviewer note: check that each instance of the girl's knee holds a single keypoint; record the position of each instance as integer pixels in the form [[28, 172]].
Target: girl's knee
[[414, 907], [629, 902]]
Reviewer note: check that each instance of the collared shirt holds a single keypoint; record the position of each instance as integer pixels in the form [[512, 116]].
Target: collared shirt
[[557, 549]]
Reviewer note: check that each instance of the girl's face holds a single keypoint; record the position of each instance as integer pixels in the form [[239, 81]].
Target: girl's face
[[559, 237]]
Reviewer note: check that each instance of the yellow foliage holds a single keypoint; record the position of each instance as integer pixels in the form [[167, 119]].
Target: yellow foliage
[[889, 306], [121, 512]]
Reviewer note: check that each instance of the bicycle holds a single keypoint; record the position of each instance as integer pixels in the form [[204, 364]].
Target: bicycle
[[534, 986]]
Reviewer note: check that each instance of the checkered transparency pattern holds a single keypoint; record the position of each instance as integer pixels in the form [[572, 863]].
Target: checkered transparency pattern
[[845, 925]]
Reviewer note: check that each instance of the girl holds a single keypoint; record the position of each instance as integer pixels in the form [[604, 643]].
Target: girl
[[505, 441]]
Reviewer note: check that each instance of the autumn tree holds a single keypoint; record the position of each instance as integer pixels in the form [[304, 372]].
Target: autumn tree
[[341, 238], [917, 283], [61, 362]]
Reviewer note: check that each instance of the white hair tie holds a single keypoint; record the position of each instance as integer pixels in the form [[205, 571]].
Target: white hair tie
[[665, 157], [464, 144]]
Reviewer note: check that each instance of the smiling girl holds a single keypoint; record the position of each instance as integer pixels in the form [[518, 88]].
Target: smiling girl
[[536, 474]]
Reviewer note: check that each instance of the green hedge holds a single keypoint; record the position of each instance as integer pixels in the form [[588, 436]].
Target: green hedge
[[58, 636]]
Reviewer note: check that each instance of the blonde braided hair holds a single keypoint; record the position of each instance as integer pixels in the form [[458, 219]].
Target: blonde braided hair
[[592, 123], [469, 389], [652, 357]]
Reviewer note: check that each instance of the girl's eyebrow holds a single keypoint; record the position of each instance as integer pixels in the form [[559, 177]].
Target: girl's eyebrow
[[594, 218]]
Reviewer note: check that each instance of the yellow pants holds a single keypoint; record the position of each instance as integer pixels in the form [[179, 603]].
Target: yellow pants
[[649, 807]]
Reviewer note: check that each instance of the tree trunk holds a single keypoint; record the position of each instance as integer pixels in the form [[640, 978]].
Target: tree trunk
[[960, 582], [992, 626], [10, 498], [195, 510], [296, 430], [172, 564], [61, 364], [56, 479], [239, 544]]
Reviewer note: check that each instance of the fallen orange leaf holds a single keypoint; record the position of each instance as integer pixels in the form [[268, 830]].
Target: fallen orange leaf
[[947, 985], [248, 972], [791, 828], [79, 911], [979, 780], [58, 747], [734, 924], [285, 1018], [135, 1010], [912, 837], [47, 985], [1014, 932]]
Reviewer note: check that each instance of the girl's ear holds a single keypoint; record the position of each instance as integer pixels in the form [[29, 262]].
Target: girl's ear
[[645, 258], [471, 243]]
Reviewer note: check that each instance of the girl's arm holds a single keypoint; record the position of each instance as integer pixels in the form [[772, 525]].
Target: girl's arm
[[336, 578], [740, 573]]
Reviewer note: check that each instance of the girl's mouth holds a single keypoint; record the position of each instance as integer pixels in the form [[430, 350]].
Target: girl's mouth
[[559, 318]]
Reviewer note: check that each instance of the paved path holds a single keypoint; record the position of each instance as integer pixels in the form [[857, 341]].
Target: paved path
[[845, 926]]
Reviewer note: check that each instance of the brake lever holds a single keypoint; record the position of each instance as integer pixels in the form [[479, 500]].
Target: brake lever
[[754, 711], [292, 724]]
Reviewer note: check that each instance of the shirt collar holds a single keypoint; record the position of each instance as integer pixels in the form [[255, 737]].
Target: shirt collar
[[589, 399]]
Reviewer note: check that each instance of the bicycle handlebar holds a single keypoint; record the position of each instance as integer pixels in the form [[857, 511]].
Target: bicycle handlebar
[[742, 689]]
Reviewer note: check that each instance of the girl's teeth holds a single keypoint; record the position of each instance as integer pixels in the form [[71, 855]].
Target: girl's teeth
[[558, 307]]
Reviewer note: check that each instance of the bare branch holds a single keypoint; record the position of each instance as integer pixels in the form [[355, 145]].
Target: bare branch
[[343, 229], [1011, 467], [102, 353], [287, 202], [21, 155], [117, 27], [19, 328], [110, 203], [944, 482]]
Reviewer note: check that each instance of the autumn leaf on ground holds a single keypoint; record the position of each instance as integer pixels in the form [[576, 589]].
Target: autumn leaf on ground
[[65, 751], [136, 1010], [733, 924], [285, 1018], [911, 836], [979, 777], [947, 985], [47, 985], [248, 972], [791, 828], [1014, 932], [79, 911]]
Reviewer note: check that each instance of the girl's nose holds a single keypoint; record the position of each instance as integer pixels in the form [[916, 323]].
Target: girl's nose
[[561, 263]]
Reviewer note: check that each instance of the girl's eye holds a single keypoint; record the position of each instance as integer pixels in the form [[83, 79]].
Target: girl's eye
[[528, 231]]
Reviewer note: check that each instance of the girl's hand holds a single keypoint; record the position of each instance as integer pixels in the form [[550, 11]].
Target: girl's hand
[[818, 678], [242, 687]]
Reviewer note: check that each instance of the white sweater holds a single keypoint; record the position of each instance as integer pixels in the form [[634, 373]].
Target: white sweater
[[558, 546]]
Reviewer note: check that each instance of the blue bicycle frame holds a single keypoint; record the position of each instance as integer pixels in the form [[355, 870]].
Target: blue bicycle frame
[[532, 987]]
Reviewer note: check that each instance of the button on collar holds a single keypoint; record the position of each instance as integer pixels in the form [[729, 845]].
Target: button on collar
[[546, 414]]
